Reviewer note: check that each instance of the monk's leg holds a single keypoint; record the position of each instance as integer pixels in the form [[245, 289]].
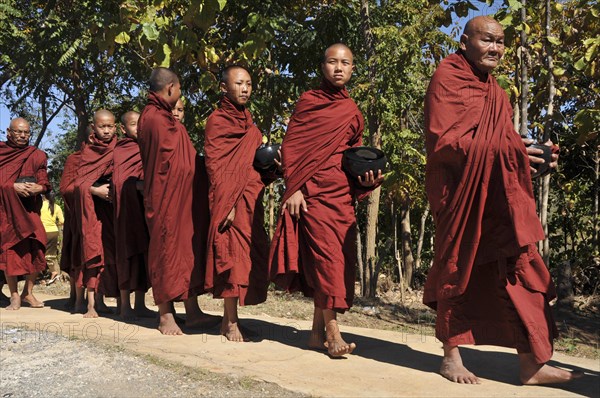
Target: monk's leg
[[80, 307], [140, 308], [453, 369], [15, 299], [230, 326], [70, 304], [532, 372], [195, 318], [125, 311], [336, 346], [91, 307], [27, 295], [166, 323], [317, 334], [101, 307]]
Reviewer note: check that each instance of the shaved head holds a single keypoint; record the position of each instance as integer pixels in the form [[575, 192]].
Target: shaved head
[[161, 77], [335, 47], [18, 121], [226, 74], [476, 24], [19, 132], [127, 116], [102, 113]]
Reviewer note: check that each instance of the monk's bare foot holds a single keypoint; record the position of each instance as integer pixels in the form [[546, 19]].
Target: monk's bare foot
[[32, 301], [102, 308], [533, 373], [203, 321], [168, 326], [144, 312], [15, 303], [91, 313], [316, 341], [454, 370], [232, 332], [336, 346], [127, 314]]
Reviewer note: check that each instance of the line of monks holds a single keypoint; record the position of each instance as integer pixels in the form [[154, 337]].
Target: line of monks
[[148, 211]]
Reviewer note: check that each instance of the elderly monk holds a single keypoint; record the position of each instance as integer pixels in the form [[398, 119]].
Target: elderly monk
[[488, 283], [238, 246], [94, 213], [314, 246], [131, 233], [177, 249], [22, 235]]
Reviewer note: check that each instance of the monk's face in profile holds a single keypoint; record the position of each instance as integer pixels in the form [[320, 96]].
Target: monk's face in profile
[[104, 126], [238, 86], [19, 132], [483, 44], [338, 65], [178, 111], [130, 127]]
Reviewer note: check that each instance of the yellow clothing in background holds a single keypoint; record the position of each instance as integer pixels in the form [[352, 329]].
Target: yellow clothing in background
[[51, 222]]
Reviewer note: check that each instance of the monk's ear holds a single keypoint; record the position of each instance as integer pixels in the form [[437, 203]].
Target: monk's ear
[[223, 87], [169, 88], [463, 42]]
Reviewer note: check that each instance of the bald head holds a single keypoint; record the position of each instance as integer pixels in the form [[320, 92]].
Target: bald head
[[102, 113], [230, 70], [161, 78], [19, 132], [104, 125], [128, 116], [129, 124], [482, 43], [480, 22], [334, 48]]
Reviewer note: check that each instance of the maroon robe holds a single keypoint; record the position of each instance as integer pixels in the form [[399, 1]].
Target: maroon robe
[[131, 233], [95, 218], [317, 254], [237, 258], [22, 234], [70, 258], [487, 281], [174, 200]]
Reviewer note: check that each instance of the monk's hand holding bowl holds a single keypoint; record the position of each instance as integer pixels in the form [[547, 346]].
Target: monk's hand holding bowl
[[534, 152], [21, 189], [370, 180], [34, 189], [103, 192], [295, 204], [227, 221], [278, 162]]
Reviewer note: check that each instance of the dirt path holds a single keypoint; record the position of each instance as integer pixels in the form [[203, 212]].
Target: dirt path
[[387, 363]]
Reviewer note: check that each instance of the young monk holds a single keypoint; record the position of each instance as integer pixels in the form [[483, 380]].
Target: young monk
[[94, 213], [22, 233], [179, 110], [131, 233], [176, 254], [237, 268], [488, 281], [314, 246]]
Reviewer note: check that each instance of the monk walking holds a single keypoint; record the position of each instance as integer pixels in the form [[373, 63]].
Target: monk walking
[[488, 283], [238, 246], [314, 246], [176, 254], [94, 214], [23, 238], [131, 233]]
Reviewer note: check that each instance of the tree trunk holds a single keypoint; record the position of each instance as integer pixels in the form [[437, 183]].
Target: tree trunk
[[422, 226], [373, 124], [596, 243], [406, 239], [397, 256], [360, 262]]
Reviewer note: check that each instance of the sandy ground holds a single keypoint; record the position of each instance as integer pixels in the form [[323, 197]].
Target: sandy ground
[[135, 360]]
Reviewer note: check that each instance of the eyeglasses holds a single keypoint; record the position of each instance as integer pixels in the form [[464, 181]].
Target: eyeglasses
[[25, 133]]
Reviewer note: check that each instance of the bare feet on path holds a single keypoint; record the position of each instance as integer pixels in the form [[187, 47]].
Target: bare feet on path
[[91, 312], [533, 373], [15, 302], [316, 340], [31, 301], [336, 346], [454, 370], [168, 326], [232, 332]]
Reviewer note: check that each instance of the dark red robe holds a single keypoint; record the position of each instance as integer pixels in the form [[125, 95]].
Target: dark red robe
[[95, 218], [22, 234], [131, 233], [487, 281], [237, 258], [70, 258], [175, 201], [317, 254]]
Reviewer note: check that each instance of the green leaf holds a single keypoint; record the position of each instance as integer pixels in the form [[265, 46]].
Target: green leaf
[[558, 71], [554, 40], [166, 62], [150, 31], [507, 20], [222, 4], [580, 64], [122, 38], [515, 5], [252, 19], [590, 54]]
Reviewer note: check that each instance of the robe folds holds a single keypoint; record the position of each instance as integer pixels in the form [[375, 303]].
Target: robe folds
[[237, 258], [317, 253], [94, 217], [175, 201], [70, 258], [22, 234], [131, 233], [479, 187]]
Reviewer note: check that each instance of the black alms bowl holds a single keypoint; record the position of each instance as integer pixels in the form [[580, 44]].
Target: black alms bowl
[[359, 160], [264, 159], [542, 168]]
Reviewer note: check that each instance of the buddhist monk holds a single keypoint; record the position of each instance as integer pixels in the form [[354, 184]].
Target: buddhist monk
[[314, 246], [94, 213], [131, 233], [177, 252], [488, 283], [179, 110], [238, 246], [23, 178]]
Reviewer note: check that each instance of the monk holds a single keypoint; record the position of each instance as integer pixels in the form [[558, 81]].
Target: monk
[[131, 233], [94, 214], [176, 254], [22, 234], [488, 283], [179, 110], [314, 246], [238, 245]]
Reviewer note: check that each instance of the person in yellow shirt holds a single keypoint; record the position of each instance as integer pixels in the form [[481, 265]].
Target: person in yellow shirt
[[52, 218]]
